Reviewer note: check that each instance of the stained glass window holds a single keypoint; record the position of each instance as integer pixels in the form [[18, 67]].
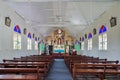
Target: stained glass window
[[102, 29], [29, 44], [103, 38], [82, 44], [89, 36], [36, 44], [82, 38], [17, 38], [100, 42], [89, 41], [29, 35]]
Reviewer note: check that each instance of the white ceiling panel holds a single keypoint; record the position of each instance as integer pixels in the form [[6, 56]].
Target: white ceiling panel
[[71, 15]]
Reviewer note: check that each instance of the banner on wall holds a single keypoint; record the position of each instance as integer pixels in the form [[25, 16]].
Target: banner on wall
[[77, 47], [41, 48]]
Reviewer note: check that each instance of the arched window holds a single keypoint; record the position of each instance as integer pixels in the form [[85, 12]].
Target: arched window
[[17, 38], [103, 38], [89, 41], [29, 44], [82, 44], [36, 43]]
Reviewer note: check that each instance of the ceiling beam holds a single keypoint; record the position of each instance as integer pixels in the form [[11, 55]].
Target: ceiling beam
[[57, 25], [59, 0]]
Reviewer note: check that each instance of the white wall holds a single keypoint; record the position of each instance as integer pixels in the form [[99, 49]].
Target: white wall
[[6, 34], [113, 52]]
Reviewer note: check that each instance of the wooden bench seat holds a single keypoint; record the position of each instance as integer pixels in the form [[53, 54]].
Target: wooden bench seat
[[41, 65], [48, 63], [112, 70], [20, 71], [18, 77], [87, 69], [24, 65], [101, 70], [21, 68]]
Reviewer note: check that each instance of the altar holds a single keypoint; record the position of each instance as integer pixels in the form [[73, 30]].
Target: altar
[[59, 49], [60, 41]]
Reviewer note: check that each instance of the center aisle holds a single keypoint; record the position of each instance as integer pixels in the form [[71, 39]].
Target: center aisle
[[59, 71]]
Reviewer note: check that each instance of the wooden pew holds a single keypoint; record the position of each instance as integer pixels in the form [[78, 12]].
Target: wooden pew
[[112, 62], [102, 70], [111, 70], [23, 65], [87, 69], [18, 77], [41, 65], [18, 70], [48, 62], [20, 73]]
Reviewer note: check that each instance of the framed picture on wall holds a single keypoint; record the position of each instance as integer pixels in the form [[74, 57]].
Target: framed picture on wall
[[33, 35], [25, 31], [113, 21], [80, 38], [94, 31], [85, 36], [7, 21]]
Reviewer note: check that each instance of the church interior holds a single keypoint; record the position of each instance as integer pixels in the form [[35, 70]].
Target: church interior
[[59, 39]]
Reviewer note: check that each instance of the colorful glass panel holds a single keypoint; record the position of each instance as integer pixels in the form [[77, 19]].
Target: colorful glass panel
[[102, 29], [89, 36], [35, 38], [29, 35], [17, 29], [82, 38]]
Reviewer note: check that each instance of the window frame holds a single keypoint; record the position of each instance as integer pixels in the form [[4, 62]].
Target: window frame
[[17, 40], [29, 41], [103, 42], [103, 38], [90, 44]]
